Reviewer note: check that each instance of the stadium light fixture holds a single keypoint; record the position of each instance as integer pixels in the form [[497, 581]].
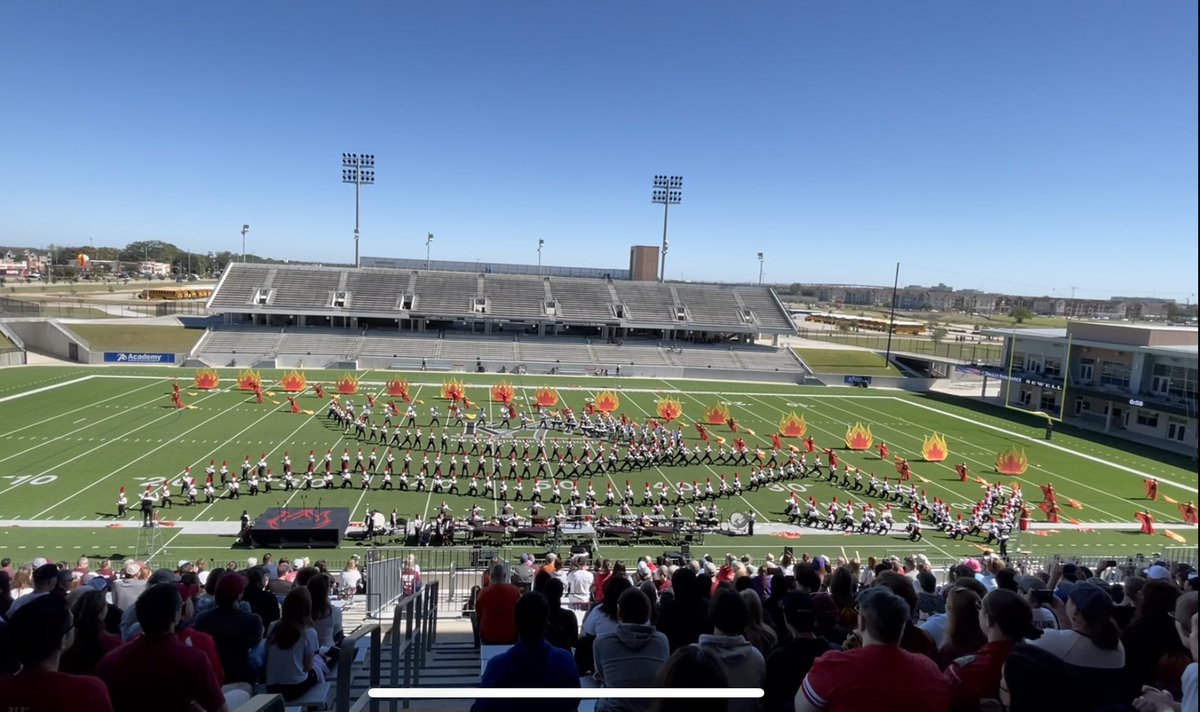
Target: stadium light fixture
[[667, 191], [760, 268], [428, 242], [541, 243], [359, 169], [245, 229]]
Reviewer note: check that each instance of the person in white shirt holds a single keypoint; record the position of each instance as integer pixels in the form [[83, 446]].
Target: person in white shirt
[[350, 577], [579, 584]]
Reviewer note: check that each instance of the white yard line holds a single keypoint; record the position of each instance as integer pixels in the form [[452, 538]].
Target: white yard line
[[88, 406], [43, 389]]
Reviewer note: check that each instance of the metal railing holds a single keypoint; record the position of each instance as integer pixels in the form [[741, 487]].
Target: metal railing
[[414, 631], [454, 568], [346, 659]]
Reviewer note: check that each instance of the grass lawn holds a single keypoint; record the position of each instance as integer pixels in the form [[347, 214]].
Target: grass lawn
[[846, 361], [947, 347], [65, 451], [134, 337]]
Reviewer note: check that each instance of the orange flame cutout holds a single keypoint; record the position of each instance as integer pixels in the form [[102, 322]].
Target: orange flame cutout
[[792, 426], [546, 398], [503, 392], [249, 380], [934, 448], [293, 382], [607, 402], [669, 409], [397, 388], [858, 437], [207, 379], [717, 414], [1011, 461], [347, 384], [453, 389]]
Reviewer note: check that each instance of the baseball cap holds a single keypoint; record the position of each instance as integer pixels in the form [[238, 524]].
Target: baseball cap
[[231, 586], [1092, 601], [1030, 583], [798, 607], [1158, 571], [183, 564], [99, 583], [132, 568], [973, 565]]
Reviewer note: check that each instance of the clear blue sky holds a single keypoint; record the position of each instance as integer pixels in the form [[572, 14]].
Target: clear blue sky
[[1028, 147]]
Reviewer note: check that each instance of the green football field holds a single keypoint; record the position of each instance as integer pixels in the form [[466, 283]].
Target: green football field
[[71, 437]]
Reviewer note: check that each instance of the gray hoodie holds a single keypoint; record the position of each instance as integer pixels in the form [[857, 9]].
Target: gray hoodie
[[630, 657], [743, 662]]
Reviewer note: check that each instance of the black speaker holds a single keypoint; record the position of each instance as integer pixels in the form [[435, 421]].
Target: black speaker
[[685, 550]]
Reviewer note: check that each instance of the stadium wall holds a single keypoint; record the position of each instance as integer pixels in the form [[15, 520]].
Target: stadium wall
[[49, 337]]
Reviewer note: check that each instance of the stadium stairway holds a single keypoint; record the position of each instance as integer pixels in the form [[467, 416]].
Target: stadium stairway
[[453, 661]]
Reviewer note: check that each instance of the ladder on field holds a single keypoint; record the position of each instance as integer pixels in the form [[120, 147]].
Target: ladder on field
[[147, 543]]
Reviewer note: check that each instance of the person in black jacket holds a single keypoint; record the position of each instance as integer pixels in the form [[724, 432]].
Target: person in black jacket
[[790, 662], [683, 617], [262, 602]]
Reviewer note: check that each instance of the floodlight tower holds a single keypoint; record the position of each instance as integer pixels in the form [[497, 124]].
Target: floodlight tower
[[667, 190], [760, 268], [359, 169], [541, 243]]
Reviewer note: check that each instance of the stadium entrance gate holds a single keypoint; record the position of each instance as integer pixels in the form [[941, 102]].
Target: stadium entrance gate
[[456, 569]]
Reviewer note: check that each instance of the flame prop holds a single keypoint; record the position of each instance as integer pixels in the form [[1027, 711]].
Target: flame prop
[[249, 380], [792, 426], [397, 388], [1011, 461], [546, 398], [607, 402], [716, 414], [347, 384], [934, 448], [206, 379], [293, 382], [503, 392], [858, 437], [453, 389], [669, 409]]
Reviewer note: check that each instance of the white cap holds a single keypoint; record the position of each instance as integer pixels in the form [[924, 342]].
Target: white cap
[[251, 562], [132, 568], [298, 563], [39, 562]]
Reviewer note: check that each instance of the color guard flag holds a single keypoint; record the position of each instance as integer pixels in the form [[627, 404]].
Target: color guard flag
[[1074, 504], [1172, 535]]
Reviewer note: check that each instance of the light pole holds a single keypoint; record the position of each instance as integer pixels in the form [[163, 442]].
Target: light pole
[[540, 244], [359, 169], [760, 268], [668, 190], [428, 242], [245, 229]]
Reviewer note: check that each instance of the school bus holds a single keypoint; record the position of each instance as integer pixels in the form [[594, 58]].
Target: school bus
[[176, 293]]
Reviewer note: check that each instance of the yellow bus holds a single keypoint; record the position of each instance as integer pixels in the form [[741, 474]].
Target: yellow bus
[[176, 293]]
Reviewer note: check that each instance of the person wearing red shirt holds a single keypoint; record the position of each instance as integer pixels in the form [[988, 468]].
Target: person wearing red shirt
[[157, 672], [40, 632], [1006, 619], [867, 678], [495, 608]]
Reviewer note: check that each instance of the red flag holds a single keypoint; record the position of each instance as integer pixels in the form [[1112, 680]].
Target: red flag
[[778, 444], [1169, 500], [1074, 504], [702, 431]]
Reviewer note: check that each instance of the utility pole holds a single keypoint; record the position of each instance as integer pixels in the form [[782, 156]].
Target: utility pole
[[892, 319], [428, 242], [245, 229]]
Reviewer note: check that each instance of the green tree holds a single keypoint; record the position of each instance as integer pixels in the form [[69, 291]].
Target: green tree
[[1020, 314], [937, 333]]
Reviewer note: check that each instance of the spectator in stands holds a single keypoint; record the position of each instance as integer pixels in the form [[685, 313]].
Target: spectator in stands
[[129, 620], [351, 577], [1006, 619], [1154, 653], [1043, 615], [579, 583], [841, 589], [936, 624], [1124, 609], [757, 632], [1090, 646], [235, 631], [684, 617], [291, 648], [6, 599], [743, 662], [689, 667], [45, 580], [649, 589], [912, 638], [6, 567], [562, 627], [836, 681], [269, 566], [282, 585], [599, 576], [963, 634], [127, 588], [600, 620], [530, 660], [632, 655], [789, 663], [91, 641], [262, 602], [495, 606], [22, 582], [1034, 680], [410, 577], [1155, 700], [156, 672], [522, 574], [40, 632], [929, 603], [326, 617]]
